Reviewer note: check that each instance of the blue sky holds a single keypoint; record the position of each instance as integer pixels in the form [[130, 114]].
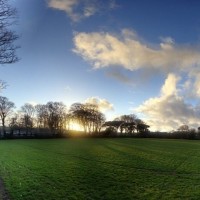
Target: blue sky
[[128, 56]]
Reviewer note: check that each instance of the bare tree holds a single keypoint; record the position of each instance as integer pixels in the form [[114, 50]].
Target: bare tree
[[88, 116], [6, 107], [183, 128], [28, 111], [7, 36], [42, 116], [56, 116], [99, 120], [16, 123], [95, 118], [127, 118], [78, 114]]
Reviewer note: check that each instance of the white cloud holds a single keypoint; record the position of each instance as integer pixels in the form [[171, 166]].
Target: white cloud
[[169, 87], [128, 51], [67, 6], [191, 85], [79, 9], [169, 110], [103, 104]]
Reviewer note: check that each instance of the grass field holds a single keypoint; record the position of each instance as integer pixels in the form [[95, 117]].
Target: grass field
[[101, 169]]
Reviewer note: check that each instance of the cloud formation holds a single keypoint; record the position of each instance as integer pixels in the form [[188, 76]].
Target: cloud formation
[[174, 106], [79, 9], [128, 51], [103, 104], [169, 110]]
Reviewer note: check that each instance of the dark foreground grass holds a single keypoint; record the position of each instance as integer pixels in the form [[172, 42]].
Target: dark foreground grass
[[101, 169]]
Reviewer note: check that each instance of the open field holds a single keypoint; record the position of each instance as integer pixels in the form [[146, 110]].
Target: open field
[[101, 169]]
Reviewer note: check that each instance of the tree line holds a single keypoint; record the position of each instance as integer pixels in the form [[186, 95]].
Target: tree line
[[57, 119]]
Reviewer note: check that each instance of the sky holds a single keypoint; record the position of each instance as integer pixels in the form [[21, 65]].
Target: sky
[[133, 56]]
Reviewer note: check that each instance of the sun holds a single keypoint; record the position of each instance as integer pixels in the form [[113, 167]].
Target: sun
[[75, 126]]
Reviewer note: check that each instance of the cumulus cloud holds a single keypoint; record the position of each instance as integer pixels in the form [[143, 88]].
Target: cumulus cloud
[[103, 104], [79, 9], [169, 88], [169, 110], [130, 52]]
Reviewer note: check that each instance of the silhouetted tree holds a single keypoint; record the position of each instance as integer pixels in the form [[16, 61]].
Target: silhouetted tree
[[142, 128], [99, 120], [88, 116], [41, 116], [6, 107], [7, 36], [94, 118], [79, 114], [113, 125], [128, 124], [67, 121], [28, 111], [127, 118], [183, 128], [16, 123], [56, 115], [128, 127]]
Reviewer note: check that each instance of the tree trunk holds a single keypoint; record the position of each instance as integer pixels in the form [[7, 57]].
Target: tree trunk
[[3, 126]]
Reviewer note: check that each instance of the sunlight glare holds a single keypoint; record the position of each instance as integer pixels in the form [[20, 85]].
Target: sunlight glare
[[75, 126]]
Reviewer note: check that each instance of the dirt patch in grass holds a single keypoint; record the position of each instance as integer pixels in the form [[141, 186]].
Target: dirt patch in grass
[[3, 193]]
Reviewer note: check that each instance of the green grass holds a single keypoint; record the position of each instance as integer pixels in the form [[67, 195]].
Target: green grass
[[101, 169]]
